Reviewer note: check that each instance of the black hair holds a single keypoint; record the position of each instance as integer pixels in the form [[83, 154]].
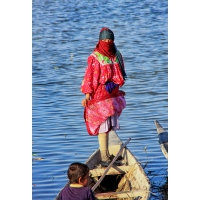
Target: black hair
[[77, 170]]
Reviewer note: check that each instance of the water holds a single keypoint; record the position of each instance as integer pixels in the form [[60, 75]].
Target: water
[[64, 33]]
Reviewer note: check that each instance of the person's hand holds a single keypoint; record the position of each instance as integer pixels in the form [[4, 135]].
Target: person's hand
[[84, 102]]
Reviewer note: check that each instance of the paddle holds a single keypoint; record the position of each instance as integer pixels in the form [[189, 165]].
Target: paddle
[[110, 165]]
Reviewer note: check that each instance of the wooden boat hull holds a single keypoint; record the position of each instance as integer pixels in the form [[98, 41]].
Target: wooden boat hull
[[163, 138], [124, 180]]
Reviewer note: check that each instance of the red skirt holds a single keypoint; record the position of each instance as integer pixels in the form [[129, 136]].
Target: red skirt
[[97, 111]]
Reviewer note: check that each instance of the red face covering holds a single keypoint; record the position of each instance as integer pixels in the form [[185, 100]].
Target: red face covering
[[106, 48]]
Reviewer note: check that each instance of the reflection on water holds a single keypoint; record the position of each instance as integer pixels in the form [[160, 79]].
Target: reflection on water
[[64, 33]]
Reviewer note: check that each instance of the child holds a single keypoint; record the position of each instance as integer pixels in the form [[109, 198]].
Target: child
[[77, 189]]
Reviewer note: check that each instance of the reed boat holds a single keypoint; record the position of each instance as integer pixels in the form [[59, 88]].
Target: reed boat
[[124, 178], [163, 138]]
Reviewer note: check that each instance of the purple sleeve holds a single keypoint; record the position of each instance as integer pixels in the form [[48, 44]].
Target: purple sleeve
[[91, 195]]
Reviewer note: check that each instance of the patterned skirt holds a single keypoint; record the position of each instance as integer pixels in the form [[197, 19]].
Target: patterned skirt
[[97, 112]]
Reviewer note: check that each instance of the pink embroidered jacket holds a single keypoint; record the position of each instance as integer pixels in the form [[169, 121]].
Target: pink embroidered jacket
[[103, 104]]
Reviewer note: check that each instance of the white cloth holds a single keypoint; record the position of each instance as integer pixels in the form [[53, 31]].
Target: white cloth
[[111, 122]]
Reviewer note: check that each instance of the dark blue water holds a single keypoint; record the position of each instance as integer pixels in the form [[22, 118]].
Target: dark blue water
[[64, 33]]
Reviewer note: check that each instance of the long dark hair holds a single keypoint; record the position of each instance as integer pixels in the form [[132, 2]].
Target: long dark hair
[[77, 170]]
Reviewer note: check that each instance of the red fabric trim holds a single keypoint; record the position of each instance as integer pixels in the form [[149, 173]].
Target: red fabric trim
[[106, 48]]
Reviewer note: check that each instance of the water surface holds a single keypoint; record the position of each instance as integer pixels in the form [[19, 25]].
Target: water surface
[[64, 33]]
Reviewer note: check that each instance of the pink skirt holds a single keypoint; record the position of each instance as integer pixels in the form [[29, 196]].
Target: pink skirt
[[97, 113]]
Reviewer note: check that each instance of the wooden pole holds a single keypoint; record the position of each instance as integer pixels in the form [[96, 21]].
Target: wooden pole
[[110, 165]]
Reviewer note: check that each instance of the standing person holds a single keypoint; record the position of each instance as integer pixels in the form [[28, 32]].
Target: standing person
[[103, 102], [77, 189]]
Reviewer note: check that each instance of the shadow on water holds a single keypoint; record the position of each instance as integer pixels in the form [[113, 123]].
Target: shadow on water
[[161, 189]]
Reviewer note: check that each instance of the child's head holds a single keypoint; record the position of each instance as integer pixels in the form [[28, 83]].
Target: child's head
[[78, 173]]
